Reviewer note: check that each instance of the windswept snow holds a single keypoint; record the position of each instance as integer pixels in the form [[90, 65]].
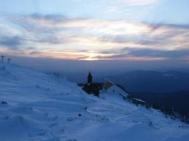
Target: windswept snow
[[44, 107]]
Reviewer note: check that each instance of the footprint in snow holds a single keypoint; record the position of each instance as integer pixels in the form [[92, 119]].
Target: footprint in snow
[[53, 139], [53, 125], [38, 133], [71, 119], [52, 118], [71, 140]]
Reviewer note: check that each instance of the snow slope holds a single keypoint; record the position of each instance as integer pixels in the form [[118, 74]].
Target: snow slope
[[44, 107]]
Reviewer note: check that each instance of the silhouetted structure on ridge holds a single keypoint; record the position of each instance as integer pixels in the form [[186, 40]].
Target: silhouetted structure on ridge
[[90, 87], [2, 58], [3, 61], [8, 60], [89, 78]]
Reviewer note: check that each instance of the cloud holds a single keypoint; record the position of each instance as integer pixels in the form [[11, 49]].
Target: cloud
[[140, 2], [12, 42], [145, 54], [57, 36], [171, 54], [50, 18]]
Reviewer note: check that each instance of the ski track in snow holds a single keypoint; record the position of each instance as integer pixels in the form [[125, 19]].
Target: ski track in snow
[[44, 107]]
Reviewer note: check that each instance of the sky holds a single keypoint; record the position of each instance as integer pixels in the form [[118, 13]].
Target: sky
[[137, 31]]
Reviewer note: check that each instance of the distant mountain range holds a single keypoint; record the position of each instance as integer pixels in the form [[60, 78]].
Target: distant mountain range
[[167, 91], [153, 81]]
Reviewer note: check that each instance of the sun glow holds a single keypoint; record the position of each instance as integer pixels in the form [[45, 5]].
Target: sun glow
[[91, 56]]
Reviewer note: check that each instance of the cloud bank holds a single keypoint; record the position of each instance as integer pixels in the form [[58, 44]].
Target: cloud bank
[[57, 36]]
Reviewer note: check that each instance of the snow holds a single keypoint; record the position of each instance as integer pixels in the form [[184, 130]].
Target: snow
[[44, 107], [139, 100]]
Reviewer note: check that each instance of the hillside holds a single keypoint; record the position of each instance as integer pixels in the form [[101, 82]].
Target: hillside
[[42, 107]]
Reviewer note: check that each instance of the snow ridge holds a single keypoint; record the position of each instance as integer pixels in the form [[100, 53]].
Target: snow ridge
[[42, 107]]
